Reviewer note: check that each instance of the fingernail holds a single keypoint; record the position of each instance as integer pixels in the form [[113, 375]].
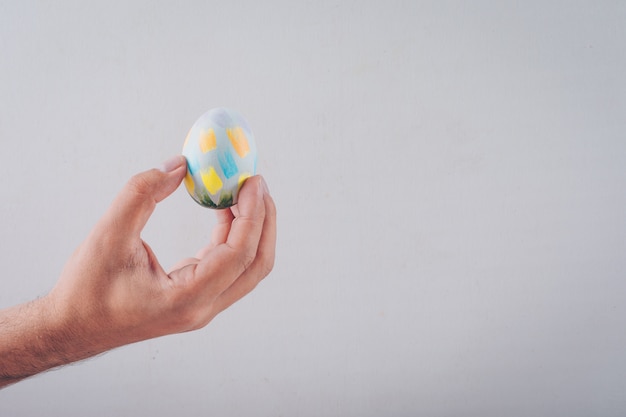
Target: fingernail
[[172, 163], [266, 190]]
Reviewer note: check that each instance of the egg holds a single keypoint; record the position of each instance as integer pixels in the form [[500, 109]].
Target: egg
[[221, 154]]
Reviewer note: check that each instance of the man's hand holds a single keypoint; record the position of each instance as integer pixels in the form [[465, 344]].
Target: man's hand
[[113, 291]]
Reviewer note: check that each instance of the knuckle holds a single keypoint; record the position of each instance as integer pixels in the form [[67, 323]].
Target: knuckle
[[246, 258], [139, 184]]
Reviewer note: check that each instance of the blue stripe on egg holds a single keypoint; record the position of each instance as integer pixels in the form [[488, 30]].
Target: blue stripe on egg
[[227, 162], [193, 165]]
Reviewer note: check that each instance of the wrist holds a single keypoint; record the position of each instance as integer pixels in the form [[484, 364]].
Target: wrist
[[73, 331], [32, 340]]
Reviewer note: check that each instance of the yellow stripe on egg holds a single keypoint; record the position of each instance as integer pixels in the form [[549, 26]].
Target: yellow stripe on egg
[[241, 180], [189, 183], [212, 181]]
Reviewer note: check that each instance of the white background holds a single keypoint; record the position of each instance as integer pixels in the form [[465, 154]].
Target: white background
[[450, 179]]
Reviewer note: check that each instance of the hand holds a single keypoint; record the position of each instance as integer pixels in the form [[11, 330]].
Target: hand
[[113, 291]]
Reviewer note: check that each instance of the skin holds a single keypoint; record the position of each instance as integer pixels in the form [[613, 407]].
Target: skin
[[114, 292]]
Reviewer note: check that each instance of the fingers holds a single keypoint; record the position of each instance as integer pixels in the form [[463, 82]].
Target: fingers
[[245, 230], [135, 203], [261, 266], [229, 259], [240, 255]]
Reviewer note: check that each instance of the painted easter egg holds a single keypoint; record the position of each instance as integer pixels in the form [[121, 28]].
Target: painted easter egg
[[221, 154]]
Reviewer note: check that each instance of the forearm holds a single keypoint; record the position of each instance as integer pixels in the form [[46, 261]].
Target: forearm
[[34, 339]]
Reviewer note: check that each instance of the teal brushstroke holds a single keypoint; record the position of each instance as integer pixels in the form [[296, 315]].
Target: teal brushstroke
[[228, 164]]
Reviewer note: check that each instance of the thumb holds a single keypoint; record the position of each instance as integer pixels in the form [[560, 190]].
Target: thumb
[[134, 205]]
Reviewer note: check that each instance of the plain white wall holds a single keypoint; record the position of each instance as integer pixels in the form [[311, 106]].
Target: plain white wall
[[451, 186]]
